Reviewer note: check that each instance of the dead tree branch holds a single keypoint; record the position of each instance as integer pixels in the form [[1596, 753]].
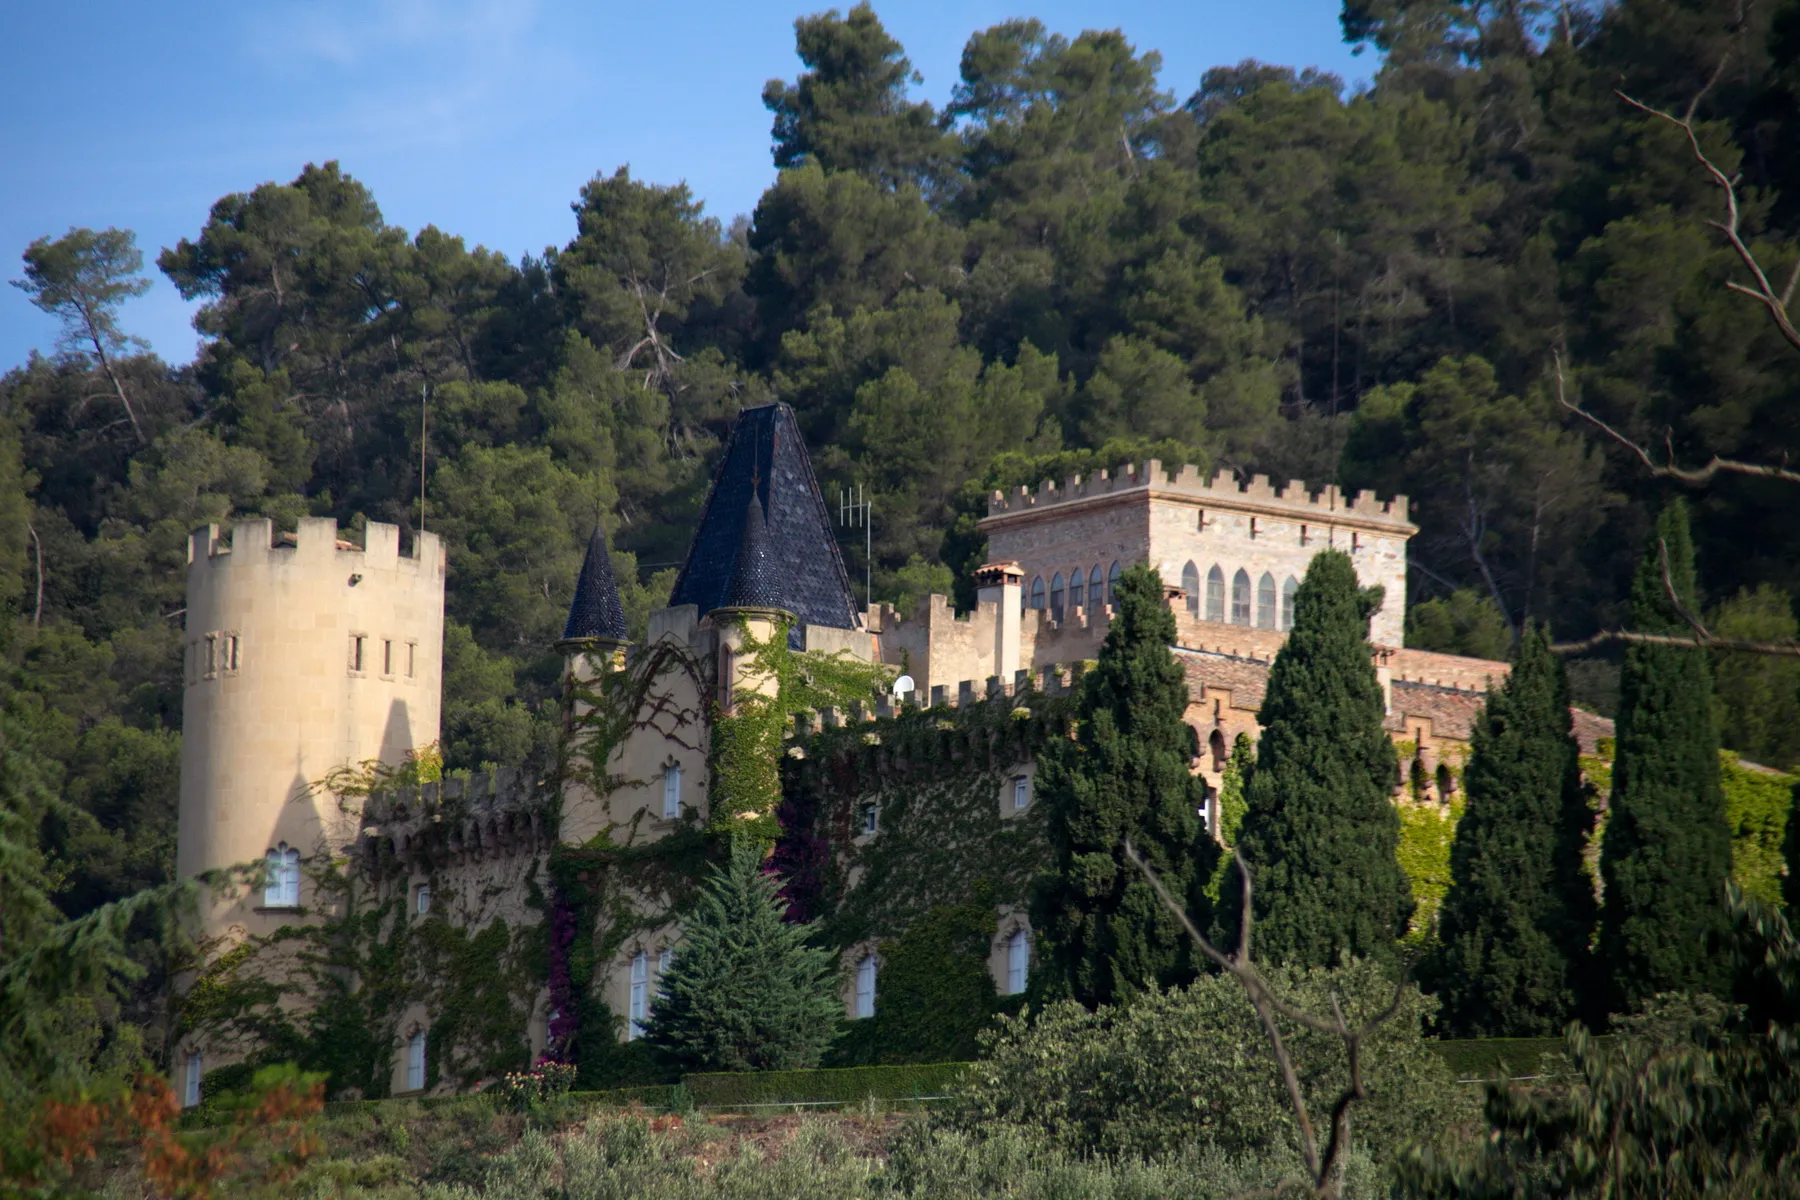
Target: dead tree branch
[[1322, 1168], [1668, 468]]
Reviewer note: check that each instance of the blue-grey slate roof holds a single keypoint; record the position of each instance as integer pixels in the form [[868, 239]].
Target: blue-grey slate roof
[[766, 455], [757, 578], [595, 611]]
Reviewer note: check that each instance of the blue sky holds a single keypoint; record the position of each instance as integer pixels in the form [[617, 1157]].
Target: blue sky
[[483, 117]]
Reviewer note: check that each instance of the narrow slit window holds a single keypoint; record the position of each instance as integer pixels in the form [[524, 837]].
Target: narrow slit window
[[415, 1061], [412, 658], [191, 1084], [865, 987], [727, 665], [671, 807], [231, 652], [212, 655], [387, 656], [1253, 528], [639, 1002], [357, 647], [1018, 962]]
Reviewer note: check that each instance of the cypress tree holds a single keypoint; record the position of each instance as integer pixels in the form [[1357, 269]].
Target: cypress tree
[[1320, 828], [1667, 849], [744, 992], [1513, 932], [1103, 934]]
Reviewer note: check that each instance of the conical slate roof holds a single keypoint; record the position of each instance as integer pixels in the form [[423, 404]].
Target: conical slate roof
[[764, 457], [756, 576], [595, 611]]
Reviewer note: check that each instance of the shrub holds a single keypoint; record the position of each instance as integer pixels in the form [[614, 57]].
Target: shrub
[[1185, 1066]]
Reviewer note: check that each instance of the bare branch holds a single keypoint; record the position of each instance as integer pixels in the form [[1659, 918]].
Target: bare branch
[[1669, 469], [1631, 637], [1763, 292]]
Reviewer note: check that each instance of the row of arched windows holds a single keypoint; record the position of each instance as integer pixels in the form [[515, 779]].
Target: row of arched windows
[[1270, 609], [1079, 590]]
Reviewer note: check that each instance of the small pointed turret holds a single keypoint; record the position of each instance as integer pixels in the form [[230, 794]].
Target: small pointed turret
[[595, 611], [756, 576]]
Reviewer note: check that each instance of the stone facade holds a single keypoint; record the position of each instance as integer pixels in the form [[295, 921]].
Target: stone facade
[[1237, 550], [304, 654]]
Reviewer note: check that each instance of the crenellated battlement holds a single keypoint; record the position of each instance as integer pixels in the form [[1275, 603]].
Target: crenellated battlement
[[486, 814], [1222, 489], [316, 539]]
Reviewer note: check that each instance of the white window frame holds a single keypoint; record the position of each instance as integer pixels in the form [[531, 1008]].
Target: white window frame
[[671, 805], [1021, 793], [871, 819], [1018, 961], [415, 1061], [637, 1004], [422, 899], [281, 888], [864, 1002], [191, 1085]]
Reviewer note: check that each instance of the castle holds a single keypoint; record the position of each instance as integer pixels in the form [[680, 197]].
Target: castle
[[313, 678]]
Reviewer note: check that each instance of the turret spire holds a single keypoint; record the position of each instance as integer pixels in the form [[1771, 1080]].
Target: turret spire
[[595, 611]]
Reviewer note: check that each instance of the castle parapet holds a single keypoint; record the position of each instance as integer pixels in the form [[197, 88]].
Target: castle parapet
[[314, 540], [1222, 488]]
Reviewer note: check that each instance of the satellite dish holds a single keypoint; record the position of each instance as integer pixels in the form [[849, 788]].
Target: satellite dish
[[903, 685]]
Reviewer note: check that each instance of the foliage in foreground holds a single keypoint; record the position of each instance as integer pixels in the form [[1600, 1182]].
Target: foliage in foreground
[[1186, 1067], [1695, 1097], [627, 1157]]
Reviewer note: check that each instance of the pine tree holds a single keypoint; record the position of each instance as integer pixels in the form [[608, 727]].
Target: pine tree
[[1667, 849], [1514, 929], [1124, 775], [744, 992], [1320, 829]]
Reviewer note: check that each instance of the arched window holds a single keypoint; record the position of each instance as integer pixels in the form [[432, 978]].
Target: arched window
[[638, 1006], [1095, 596], [1265, 602], [865, 986], [1446, 781], [1190, 583], [1056, 593], [415, 1061], [1240, 597], [1112, 582], [1077, 589], [1037, 592], [1288, 588], [1215, 594], [282, 887], [1018, 961], [1216, 743]]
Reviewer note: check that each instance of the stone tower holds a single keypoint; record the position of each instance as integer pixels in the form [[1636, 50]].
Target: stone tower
[[303, 653]]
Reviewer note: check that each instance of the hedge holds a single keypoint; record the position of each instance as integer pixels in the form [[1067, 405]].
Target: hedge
[[654, 1095], [1482, 1058], [842, 1084]]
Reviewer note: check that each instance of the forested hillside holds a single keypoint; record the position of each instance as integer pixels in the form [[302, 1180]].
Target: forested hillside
[[1074, 263]]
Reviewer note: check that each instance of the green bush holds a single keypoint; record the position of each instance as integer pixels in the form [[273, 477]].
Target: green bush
[[656, 1095], [1484, 1058], [1192, 1066], [848, 1084]]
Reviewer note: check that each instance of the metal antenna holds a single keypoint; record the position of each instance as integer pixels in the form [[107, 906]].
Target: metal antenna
[[424, 391], [855, 508]]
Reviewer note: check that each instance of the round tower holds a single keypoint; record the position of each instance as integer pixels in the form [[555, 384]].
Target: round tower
[[303, 654]]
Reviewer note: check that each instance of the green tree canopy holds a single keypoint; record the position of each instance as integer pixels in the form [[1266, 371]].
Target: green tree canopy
[[1319, 831], [745, 992], [1104, 935]]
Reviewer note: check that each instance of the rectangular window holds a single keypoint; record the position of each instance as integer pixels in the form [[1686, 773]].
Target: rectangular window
[[727, 663], [1253, 528], [664, 957], [357, 646], [422, 899], [1355, 541], [639, 1004], [1304, 540], [191, 1085], [1201, 525], [671, 791], [1021, 792], [869, 818], [865, 987], [1018, 961], [212, 655], [415, 1061], [412, 658], [230, 661], [387, 656]]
